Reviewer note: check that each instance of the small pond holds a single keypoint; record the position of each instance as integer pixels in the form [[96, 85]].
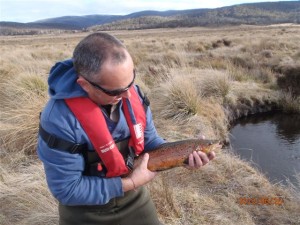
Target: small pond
[[271, 141]]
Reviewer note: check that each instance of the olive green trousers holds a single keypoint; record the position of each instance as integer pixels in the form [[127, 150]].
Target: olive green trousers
[[134, 208]]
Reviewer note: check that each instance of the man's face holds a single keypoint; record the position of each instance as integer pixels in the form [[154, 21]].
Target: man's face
[[111, 84]]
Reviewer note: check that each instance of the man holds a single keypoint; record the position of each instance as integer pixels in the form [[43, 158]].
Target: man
[[93, 126]]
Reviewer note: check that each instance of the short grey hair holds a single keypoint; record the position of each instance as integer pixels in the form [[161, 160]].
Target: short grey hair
[[92, 51]]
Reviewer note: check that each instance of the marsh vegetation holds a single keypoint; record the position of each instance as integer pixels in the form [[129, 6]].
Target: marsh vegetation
[[198, 80]]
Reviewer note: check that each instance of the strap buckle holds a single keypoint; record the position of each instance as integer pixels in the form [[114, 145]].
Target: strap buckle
[[51, 141], [75, 149], [130, 158]]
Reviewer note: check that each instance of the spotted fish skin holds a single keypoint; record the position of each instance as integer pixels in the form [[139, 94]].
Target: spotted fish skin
[[176, 154]]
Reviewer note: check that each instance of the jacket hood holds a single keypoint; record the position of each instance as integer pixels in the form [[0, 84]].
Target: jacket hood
[[62, 81]]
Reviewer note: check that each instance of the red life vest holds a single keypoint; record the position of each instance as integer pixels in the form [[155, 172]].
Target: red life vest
[[93, 123]]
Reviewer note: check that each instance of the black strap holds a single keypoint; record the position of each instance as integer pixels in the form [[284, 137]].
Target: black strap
[[92, 160], [58, 143], [146, 101]]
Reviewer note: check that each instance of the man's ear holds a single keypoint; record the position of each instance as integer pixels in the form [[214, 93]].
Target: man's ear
[[83, 83]]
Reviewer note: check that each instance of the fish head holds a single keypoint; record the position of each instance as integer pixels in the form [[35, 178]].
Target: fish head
[[208, 146]]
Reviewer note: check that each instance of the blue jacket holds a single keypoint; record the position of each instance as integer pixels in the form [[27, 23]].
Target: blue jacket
[[63, 169]]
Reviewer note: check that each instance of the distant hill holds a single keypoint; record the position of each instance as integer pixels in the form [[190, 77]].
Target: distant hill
[[253, 13], [79, 22]]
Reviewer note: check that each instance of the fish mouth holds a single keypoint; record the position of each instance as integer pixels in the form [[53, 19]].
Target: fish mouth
[[216, 146]]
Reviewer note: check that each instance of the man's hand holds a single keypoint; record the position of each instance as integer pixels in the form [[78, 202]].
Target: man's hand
[[198, 159], [139, 176]]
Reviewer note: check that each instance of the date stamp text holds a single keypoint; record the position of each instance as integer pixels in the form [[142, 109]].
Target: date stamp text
[[261, 201]]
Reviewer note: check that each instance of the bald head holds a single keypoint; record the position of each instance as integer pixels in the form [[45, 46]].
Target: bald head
[[96, 49]]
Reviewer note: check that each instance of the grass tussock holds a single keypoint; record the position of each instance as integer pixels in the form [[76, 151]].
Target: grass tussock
[[189, 103], [25, 198], [197, 80], [215, 84], [182, 98], [22, 98], [289, 81], [289, 103]]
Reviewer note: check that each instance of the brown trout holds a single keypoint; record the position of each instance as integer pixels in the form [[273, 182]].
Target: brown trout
[[175, 154]]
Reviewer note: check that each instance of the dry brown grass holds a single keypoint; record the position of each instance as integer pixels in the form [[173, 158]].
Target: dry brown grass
[[197, 79], [246, 98], [22, 98], [211, 195], [180, 102], [25, 198], [290, 103]]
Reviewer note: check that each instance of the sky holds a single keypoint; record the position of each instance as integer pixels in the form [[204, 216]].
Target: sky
[[33, 10]]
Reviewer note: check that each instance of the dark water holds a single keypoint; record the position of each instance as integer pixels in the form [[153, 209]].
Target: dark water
[[271, 142]]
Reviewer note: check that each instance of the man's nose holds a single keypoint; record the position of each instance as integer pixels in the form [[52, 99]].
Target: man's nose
[[125, 94]]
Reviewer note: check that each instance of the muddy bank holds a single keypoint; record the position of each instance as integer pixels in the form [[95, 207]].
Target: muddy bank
[[245, 110]]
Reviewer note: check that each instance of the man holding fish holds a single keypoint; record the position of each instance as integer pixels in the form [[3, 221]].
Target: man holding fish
[[95, 125]]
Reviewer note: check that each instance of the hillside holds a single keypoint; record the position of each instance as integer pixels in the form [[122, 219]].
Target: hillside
[[253, 14], [264, 13]]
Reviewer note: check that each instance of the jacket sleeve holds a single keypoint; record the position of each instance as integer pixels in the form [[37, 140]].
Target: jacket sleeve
[[64, 170]]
